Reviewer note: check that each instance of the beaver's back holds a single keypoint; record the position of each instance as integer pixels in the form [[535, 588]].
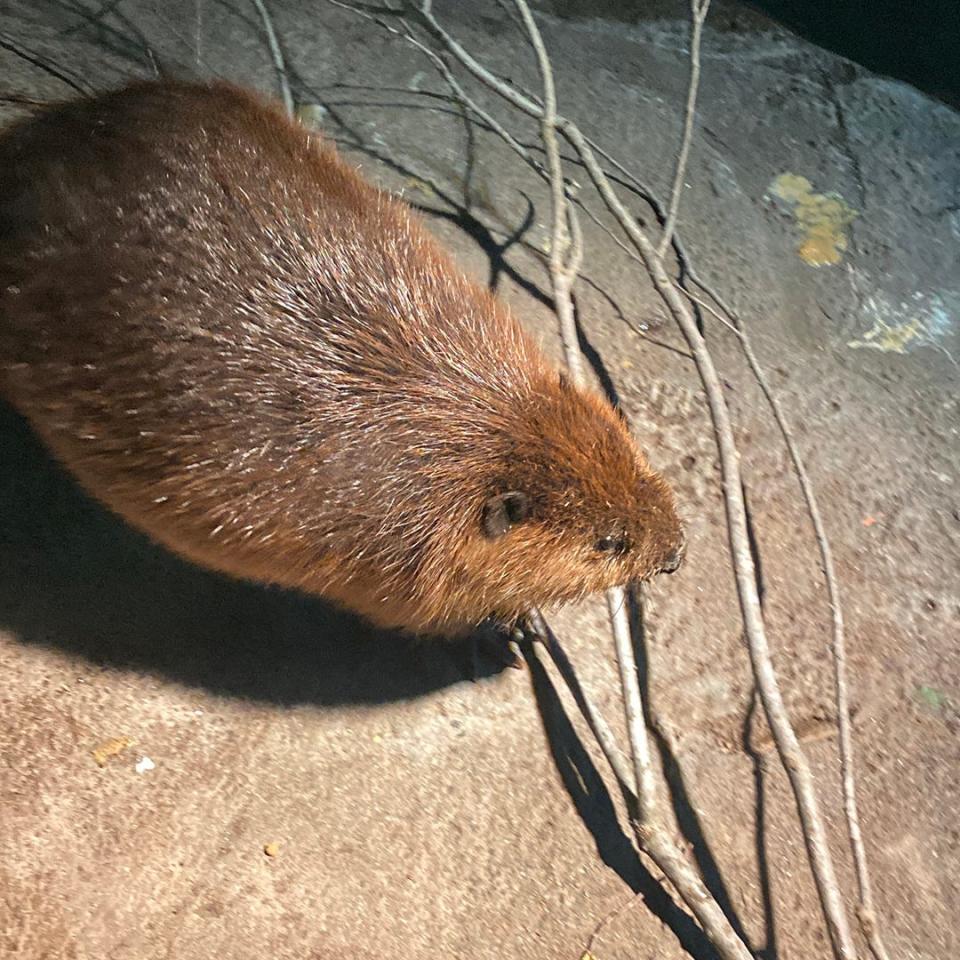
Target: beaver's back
[[199, 218], [185, 270]]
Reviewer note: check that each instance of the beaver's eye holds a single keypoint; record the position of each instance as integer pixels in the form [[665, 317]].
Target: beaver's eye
[[616, 546]]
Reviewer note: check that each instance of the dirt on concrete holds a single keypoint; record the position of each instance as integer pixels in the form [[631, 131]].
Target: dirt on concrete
[[192, 767]]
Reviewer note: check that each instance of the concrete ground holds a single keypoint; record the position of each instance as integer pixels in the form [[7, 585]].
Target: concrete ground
[[298, 786]]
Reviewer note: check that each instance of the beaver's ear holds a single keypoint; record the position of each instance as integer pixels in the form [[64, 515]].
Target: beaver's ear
[[504, 510]]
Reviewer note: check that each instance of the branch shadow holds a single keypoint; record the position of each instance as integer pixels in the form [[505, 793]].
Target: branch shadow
[[125, 40], [79, 580], [688, 820], [596, 809], [456, 211], [592, 356], [769, 950]]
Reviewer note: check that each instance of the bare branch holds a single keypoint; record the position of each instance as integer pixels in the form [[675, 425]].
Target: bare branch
[[633, 708], [698, 13], [565, 254], [787, 744], [651, 837], [277, 54], [866, 912], [526, 104]]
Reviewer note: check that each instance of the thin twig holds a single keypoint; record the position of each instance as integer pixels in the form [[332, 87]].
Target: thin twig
[[633, 708], [527, 102], [198, 31], [605, 922], [866, 913], [458, 92], [566, 251], [565, 246], [277, 54], [698, 13], [523, 101]]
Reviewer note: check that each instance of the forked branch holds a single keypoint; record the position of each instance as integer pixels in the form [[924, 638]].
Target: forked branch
[[652, 836], [788, 745], [279, 64], [652, 256]]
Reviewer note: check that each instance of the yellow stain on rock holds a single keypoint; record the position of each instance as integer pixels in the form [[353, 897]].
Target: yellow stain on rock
[[891, 338], [823, 217], [898, 326]]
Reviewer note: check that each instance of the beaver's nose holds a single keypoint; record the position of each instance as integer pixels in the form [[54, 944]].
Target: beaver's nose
[[674, 560]]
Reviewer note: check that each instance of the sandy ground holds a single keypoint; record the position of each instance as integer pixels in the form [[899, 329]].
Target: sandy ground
[[416, 814]]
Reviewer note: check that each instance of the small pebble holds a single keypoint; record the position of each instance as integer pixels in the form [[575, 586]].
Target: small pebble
[[144, 764]]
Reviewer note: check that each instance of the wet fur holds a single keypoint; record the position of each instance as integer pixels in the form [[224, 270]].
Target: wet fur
[[270, 367]]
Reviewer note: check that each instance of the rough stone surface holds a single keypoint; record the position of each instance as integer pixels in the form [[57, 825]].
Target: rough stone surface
[[413, 813]]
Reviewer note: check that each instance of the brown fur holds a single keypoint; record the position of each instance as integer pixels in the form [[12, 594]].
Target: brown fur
[[269, 366]]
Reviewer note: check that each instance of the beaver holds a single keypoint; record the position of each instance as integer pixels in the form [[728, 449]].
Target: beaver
[[270, 367]]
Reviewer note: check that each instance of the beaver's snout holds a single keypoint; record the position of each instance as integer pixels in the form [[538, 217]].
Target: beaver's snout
[[674, 561]]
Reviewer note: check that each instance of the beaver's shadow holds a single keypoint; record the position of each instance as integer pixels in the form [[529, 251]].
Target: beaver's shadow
[[77, 579]]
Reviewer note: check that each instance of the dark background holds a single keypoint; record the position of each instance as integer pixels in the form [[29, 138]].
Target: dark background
[[913, 40]]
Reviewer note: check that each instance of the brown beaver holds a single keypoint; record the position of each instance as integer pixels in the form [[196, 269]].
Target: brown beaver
[[268, 365]]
